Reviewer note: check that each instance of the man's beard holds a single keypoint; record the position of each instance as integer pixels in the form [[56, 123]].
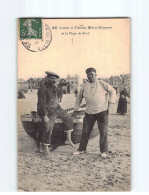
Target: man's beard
[[52, 84], [55, 92]]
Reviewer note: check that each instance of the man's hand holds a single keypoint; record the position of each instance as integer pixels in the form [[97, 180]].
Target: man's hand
[[45, 118], [74, 113]]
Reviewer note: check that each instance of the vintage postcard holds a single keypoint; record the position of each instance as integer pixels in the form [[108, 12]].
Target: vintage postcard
[[74, 104]]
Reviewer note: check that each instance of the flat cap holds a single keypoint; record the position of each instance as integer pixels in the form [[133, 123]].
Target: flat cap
[[51, 74], [90, 70]]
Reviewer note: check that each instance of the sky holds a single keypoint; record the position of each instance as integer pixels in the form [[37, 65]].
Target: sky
[[74, 48]]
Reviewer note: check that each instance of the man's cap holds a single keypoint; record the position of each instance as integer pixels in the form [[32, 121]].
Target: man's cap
[[90, 70], [51, 74]]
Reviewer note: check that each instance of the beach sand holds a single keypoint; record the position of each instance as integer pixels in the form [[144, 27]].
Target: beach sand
[[66, 172]]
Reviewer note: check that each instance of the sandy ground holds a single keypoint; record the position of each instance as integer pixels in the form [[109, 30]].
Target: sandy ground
[[66, 172]]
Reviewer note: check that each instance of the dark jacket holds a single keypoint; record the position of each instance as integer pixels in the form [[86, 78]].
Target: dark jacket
[[48, 99], [122, 104]]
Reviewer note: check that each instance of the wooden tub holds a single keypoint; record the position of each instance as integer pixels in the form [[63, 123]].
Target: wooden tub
[[32, 124]]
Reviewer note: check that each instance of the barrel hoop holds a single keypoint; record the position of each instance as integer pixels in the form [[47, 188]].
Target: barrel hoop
[[35, 119]]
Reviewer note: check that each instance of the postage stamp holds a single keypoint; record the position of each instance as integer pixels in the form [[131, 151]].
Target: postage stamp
[[30, 28], [35, 35]]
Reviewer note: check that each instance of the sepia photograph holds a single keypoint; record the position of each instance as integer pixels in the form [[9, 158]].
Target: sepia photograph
[[73, 105]]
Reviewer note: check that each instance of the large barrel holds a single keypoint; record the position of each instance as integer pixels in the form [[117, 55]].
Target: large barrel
[[32, 124]]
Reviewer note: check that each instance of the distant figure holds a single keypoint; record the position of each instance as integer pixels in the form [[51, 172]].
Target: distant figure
[[68, 88], [76, 92], [20, 95], [122, 104]]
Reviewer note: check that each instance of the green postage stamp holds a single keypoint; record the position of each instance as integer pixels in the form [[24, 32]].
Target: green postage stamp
[[30, 28]]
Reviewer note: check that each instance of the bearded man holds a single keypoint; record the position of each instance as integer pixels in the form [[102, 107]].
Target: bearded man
[[49, 109]]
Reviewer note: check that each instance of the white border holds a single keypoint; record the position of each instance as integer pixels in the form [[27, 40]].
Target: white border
[[138, 11]]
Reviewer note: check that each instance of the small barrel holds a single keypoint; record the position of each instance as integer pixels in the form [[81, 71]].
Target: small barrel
[[76, 134]]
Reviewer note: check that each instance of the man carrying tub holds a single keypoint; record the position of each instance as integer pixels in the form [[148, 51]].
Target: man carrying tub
[[98, 95], [49, 109]]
